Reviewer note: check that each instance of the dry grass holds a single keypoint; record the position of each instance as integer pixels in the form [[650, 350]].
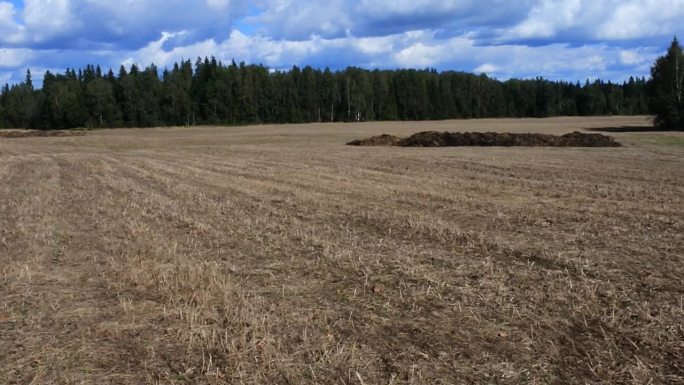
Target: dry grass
[[260, 255]]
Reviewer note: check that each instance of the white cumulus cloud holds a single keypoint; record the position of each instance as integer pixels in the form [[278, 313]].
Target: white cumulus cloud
[[570, 39], [119, 23], [598, 20], [633, 19]]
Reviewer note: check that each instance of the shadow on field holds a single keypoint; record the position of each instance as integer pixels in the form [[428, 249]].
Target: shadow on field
[[625, 129]]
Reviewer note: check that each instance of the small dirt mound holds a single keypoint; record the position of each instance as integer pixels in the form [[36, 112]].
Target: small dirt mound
[[14, 134], [457, 139], [580, 139], [380, 140]]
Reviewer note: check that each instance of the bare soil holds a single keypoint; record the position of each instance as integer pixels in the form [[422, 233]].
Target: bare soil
[[489, 139], [380, 140], [276, 254]]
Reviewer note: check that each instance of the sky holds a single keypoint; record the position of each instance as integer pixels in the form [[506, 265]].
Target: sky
[[571, 40]]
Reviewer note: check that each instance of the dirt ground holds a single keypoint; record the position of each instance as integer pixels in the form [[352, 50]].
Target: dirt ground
[[489, 139], [279, 255]]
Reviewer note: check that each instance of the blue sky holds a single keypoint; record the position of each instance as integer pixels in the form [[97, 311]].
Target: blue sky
[[568, 39]]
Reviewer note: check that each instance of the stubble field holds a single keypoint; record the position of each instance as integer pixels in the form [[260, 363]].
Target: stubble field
[[278, 255]]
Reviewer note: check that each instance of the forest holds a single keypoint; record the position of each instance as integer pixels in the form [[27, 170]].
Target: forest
[[211, 92]]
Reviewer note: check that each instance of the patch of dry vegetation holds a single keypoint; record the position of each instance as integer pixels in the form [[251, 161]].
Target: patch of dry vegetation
[[16, 134], [279, 255]]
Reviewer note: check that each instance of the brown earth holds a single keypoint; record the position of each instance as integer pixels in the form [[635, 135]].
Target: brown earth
[[487, 139], [380, 140], [15, 134], [276, 254]]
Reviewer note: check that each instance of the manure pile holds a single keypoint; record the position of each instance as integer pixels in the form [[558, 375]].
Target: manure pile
[[14, 134], [458, 139]]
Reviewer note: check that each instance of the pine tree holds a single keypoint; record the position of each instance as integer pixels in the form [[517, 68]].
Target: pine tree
[[667, 89], [3, 113], [214, 93], [102, 108]]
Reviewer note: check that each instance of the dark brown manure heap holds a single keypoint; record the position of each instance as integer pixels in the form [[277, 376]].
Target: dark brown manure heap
[[488, 139]]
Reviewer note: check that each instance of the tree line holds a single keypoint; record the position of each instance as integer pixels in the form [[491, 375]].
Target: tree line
[[211, 92], [666, 89]]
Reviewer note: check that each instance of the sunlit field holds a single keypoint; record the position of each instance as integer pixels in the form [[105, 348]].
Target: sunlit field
[[279, 255]]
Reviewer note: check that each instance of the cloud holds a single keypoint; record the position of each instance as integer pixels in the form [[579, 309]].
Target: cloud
[[486, 68], [629, 22], [454, 16], [629, 58], [413, 49], [9, 28], [117, 24], [46, 19], [547, 18], [299, 20], [14, 57], [640, 19], [568, 39]]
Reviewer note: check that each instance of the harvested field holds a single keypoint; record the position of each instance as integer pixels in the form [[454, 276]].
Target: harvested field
[[276, 254], [16, 134], [489, 139]]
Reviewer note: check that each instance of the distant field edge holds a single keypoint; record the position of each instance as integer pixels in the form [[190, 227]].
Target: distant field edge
[[606, 123]]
